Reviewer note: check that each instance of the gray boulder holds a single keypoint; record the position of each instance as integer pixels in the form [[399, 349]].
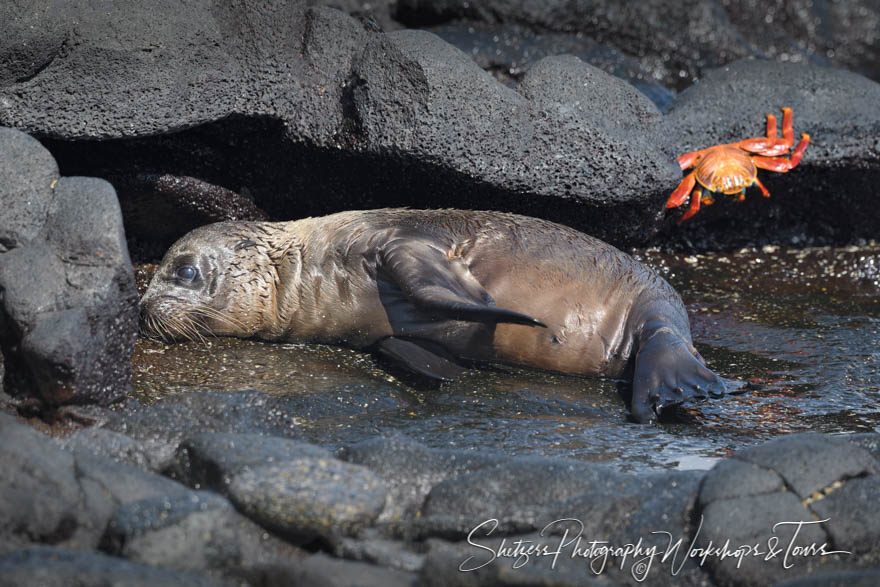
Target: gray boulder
[[674, 41], [508, 51], [294, 488], [51, 496], [68, 305], [26, 178], [321, 570], [150, 454], [413, 120], [307, 498], [459, 564], [801, 497], [197, 531], [527, 494], [213, 459], [410, 470]]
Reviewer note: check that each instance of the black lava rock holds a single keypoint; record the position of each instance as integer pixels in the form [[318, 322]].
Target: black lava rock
[[796, 492], [51, 567], [26, 178], [213, 459], [306, 498], [410, 469], [51, 496], [197, 531], [508, 51], [68, 305], [811, 462], [146, 453], [325, 571], [676, 41], [411, 119]]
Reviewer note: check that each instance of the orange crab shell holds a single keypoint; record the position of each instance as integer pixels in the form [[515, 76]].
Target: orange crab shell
[[726, 169]]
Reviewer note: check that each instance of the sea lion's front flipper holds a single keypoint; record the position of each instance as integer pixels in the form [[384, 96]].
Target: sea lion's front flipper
[[668, 373], [418, 359], [442, 286]]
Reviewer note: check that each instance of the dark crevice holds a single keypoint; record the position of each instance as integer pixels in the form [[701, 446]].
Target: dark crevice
[[252, 158], [352, 132], [252, 155], [786, 486], [818, 205], [63, 531]]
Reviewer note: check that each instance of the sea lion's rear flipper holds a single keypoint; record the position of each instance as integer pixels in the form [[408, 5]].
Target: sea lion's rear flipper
[[442, 286], [668, 372], [418, 359]]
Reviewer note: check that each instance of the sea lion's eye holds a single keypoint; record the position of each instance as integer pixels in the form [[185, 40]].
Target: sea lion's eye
[[186, 273]]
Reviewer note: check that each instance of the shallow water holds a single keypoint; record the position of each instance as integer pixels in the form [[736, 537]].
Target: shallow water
[[801, 325]]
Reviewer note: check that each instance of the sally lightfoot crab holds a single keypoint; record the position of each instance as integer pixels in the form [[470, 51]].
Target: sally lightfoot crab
[[732, 167]]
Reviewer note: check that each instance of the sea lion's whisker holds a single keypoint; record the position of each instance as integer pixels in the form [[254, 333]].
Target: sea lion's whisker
[[209, 312], [176, 327], [191, 328], [157, 328]]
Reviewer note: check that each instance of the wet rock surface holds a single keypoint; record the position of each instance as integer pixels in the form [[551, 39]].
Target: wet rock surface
[[192, 531], [458, 509], [53, 566], [68, 305], [410, 469]]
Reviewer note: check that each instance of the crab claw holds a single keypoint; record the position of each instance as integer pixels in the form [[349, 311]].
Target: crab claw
[[679, 196], [696, 198]]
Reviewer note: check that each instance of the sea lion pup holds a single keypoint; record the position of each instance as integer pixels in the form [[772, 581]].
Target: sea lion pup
[[433, 288]]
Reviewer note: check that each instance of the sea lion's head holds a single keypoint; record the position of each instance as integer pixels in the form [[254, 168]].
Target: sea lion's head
[[218, 280]]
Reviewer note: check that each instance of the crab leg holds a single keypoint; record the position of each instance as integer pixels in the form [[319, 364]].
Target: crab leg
[[787, 130], [782, 164], [771, 126], [771, 146], [764, 146], [696, 196], [764, 190], [688, 159], [680, 194]]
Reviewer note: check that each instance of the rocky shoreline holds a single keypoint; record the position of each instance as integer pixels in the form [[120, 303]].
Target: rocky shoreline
[[227, 508]]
